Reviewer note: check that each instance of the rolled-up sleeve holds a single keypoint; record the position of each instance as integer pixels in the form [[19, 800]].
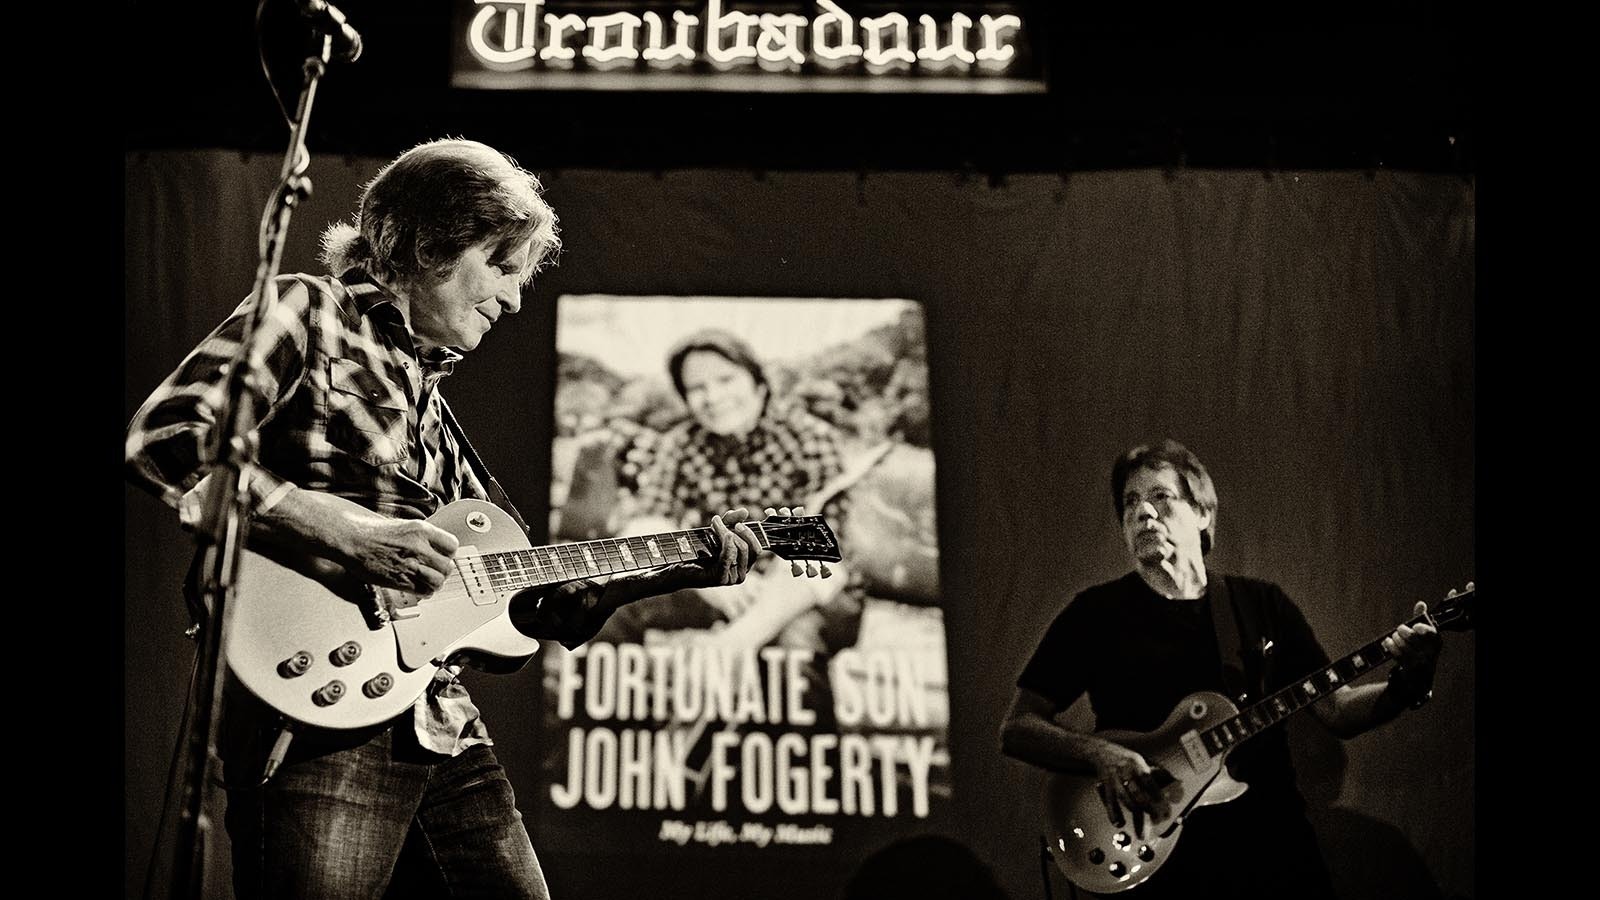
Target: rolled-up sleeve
[[166, 442]]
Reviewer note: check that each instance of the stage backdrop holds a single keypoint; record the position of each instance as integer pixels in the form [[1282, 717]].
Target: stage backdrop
[[1310, 336]]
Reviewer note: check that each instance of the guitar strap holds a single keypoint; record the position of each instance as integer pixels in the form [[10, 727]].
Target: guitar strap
[[497, 494], [1242, 671]]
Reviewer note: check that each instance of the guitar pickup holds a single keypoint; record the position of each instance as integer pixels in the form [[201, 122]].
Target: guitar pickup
[[475, 577], [1195, 749]]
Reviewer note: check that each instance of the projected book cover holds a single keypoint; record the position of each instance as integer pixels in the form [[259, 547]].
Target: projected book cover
[[803, 715]]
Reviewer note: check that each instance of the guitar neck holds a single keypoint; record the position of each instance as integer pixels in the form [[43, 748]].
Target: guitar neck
[[1260, 716], [515, 570]]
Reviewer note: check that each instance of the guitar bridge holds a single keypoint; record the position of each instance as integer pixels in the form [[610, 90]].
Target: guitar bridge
[[382, 606]]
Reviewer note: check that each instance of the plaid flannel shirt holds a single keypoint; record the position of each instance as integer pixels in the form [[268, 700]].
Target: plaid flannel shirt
[[344, 405]]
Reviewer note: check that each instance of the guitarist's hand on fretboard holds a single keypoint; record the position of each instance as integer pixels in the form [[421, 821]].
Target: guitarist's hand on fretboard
[[770, 600], [739, 550], [1415, 650]]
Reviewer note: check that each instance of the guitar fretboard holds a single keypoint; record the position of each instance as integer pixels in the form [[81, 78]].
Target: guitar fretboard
[[1262, 715], [516, 570]]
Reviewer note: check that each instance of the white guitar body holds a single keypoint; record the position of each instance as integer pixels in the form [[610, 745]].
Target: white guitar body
[[284, 615], [1104, 857]]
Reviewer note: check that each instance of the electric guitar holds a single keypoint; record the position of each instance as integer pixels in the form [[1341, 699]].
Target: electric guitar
[[1191, 748], [327, 650]]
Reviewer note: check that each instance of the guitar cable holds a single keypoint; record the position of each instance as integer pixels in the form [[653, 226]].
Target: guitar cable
[[1044, 866], [280, 749], [172, 779]]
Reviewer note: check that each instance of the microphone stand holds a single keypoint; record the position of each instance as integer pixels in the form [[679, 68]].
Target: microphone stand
[[222, 532]]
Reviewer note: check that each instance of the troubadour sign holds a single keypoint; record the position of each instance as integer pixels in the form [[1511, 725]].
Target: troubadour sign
[[744, 45]]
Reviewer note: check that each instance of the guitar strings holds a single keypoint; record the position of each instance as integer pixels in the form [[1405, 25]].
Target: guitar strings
[[523, 568]]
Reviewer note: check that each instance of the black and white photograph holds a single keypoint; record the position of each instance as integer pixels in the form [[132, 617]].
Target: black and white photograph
[[800, 450]]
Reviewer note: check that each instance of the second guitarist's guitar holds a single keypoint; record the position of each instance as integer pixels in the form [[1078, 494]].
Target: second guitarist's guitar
[[329, 651], [1191, 747]]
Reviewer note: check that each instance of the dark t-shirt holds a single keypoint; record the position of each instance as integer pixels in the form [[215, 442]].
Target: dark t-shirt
[[1136, 654]]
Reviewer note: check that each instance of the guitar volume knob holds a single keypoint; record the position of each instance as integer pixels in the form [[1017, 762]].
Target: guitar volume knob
[[1145, 853], [296, 665], [378, 685], [329, 694], [1117, 870], [345, 654], [1097, 856]]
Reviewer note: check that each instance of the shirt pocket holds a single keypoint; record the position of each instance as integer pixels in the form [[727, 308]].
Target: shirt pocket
[[367, 414]]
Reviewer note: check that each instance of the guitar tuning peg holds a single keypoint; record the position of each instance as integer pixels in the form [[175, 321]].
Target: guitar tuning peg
[[1451, 594], [794, 568], [826, 572], [1470, 586], [811, 570]]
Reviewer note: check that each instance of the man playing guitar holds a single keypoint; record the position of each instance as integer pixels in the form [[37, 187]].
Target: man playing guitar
[[1141, 644], [357, 449]]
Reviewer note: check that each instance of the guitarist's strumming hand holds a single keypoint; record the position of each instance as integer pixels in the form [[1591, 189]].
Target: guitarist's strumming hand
[[411, 555], [1127, 783]]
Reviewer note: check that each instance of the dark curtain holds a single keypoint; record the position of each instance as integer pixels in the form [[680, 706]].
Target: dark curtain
[[1310, 336]]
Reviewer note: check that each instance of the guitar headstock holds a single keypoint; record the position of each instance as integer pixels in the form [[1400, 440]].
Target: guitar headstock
[[800, 537], [1456, 611]]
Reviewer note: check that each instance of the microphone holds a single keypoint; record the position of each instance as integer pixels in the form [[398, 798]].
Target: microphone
[[327, 18]]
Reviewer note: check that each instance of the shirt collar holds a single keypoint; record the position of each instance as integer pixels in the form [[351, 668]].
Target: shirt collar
[[368, 295], [372, 299]]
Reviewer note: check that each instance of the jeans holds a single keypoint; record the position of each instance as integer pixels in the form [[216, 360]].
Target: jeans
[[370, 815]]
